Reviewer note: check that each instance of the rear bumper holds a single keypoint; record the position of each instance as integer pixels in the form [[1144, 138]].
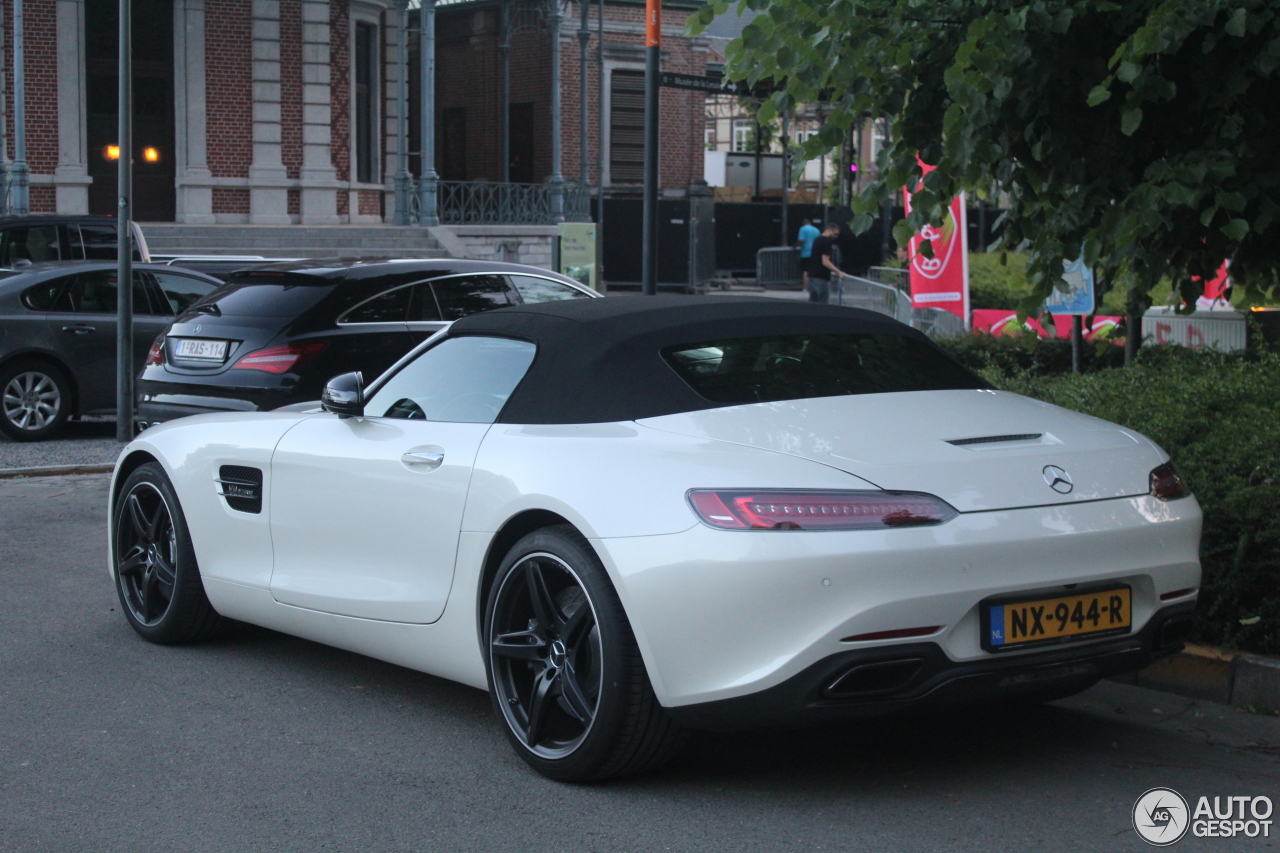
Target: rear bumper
[[870, 682], [158, 408]]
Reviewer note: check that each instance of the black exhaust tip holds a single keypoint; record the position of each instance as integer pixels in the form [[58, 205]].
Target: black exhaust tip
[[873, 678]]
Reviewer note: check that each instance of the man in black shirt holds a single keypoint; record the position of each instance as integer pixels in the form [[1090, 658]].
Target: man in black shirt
[[821, 264]]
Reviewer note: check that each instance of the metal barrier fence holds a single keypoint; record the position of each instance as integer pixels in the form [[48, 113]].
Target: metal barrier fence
[[888, 275], [937, 323], [778, 266], [858, 292]]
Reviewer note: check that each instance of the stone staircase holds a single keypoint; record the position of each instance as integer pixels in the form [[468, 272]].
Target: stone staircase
[[292, 241]]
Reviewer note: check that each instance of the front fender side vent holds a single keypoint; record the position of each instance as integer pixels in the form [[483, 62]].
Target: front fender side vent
[[242, 487]]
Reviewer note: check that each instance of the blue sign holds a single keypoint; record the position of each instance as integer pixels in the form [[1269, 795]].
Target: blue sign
[[1081, 297]]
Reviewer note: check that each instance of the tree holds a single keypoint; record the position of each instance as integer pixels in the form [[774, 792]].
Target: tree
[[1143, 133]]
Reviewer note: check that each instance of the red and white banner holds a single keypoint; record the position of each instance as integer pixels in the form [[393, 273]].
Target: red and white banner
[[1215, 290], [943, 280], [998, 321]]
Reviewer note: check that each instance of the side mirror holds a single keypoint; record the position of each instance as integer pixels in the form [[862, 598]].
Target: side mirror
[[344, 395]]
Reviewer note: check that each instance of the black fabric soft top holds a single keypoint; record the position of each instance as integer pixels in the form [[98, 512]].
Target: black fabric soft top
[[600, 360]]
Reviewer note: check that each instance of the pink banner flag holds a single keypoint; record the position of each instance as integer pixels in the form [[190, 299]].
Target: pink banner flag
[[943, 280]]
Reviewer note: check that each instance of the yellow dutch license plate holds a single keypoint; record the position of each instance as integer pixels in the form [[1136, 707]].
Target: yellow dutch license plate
[[1019, 624]]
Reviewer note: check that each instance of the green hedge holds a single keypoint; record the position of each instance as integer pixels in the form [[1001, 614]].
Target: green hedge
[[1218, 416]]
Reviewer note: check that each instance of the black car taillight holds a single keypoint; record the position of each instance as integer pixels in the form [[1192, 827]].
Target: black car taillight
[[1167, 484]]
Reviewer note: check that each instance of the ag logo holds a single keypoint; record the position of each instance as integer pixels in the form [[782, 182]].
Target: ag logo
[[1058, 479], [1160, 817]]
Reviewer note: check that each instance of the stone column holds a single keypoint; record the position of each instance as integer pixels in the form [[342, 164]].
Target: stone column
[[319, 204], [71, 177], [391, 115], [268, 193], [195, 195], [4, 133]]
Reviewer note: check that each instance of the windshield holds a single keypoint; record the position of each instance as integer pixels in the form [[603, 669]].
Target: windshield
[[794, 367]]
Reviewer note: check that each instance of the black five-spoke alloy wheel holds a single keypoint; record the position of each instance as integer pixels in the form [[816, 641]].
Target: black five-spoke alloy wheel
[[565, 674], [545, 649], [148, 547], [157, 579]]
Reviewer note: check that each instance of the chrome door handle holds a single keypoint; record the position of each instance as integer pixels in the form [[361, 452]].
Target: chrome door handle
[[78, 330], [430, 461]]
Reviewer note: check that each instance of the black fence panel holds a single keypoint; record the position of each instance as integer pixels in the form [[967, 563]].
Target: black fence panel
[[623, 225], [743, 228]]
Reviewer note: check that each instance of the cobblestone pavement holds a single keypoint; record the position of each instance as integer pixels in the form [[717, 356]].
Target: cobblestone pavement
[[87, 442]]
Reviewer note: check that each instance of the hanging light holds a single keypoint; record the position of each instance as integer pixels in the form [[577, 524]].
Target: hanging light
[[111, 152], [151, 155]]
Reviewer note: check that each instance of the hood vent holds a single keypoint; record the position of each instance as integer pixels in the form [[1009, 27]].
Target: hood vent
[[991, 439], [242, 487]]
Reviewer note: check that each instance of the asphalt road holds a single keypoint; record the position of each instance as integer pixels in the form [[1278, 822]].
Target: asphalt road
[[262, 742]]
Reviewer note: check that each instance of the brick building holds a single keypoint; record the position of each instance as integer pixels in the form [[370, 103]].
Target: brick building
[[286, 111]]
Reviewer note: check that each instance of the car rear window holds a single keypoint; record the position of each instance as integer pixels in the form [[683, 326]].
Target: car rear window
[[794, 367], [273, 295]]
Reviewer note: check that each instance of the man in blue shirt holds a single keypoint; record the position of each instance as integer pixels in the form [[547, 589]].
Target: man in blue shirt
[[805, 242]]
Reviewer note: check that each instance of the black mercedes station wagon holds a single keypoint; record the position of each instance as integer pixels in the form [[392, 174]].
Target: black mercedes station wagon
[[271, 337]]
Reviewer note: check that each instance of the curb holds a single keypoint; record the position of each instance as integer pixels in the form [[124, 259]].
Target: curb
[[1203, 672], [56, 470]]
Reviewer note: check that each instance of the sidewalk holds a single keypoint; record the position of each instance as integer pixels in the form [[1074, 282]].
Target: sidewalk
[[87, 442]]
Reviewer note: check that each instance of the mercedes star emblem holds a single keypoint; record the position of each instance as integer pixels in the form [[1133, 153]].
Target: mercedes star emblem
[[1058, 479]]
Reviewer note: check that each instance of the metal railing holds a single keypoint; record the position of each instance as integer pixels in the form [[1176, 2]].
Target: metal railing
[[495, 203], [778, 266], [858, 292], [888, 275], [937, 322]]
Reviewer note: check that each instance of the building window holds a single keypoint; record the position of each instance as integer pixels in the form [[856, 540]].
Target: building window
[[626, 127], [366, 130], [453, 144], [521, 148], [743, 138], [879, 138], [709, 137]]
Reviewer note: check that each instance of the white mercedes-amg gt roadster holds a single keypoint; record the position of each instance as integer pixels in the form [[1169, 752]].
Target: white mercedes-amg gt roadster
[[630, 517]]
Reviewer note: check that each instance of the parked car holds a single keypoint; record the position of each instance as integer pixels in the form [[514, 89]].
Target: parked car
[[629, 516], [35, 239], [58, 337], [273, 335]]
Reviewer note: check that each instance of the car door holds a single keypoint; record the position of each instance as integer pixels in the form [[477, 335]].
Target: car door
[[366, 511], [179, 292], [374, 334], [83, 323], [33, 243]]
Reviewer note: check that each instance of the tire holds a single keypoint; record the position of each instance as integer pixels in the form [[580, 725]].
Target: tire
[[35, 400], [157, 579], [572, 643]]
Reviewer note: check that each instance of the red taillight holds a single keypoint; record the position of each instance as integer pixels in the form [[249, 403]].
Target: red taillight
[[155, 355], [1167, 484], [781, 510], [282, 358]]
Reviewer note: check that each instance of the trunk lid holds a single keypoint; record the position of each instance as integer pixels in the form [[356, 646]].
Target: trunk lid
[[977, 450]]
